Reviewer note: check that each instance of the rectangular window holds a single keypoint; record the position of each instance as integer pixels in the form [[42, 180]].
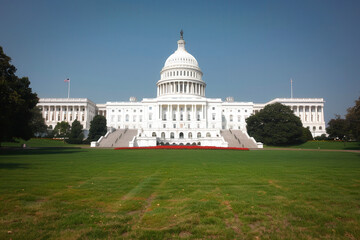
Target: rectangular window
[[213, 116]]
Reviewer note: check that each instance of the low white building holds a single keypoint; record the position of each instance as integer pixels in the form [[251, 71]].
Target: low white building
[[181, 113], [56, 110]]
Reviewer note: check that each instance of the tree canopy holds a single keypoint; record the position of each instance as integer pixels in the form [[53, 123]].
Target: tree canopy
[[97, 128], [348, 128], [62, 129], [353, 119], [37, 123], [276, 124], [76, 133], [337, 128], [16, 102]]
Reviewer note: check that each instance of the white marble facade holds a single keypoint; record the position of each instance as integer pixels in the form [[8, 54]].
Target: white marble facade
[[56, 110], [180, 112]]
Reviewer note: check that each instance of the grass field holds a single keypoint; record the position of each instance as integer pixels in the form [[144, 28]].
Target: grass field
[[338, 145], [41, 142], [179, 194]]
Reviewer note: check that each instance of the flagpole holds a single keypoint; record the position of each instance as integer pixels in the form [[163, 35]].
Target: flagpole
[[69, 88], [291, 88]]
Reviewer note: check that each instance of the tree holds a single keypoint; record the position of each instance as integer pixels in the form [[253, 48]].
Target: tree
[[37, 123], [337, 128], [62, 129], [76, 133], [353, 120], [97, 128], [276, 124], [306, 135], [321, 138], [16, 102]]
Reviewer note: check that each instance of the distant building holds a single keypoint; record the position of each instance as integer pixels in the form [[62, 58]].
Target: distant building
[[180, 114]]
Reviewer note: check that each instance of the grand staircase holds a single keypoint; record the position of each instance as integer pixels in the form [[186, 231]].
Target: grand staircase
[[238, 139], [119, 138]]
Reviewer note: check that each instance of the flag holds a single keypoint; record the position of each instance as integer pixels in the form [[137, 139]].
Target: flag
[[67, 80]]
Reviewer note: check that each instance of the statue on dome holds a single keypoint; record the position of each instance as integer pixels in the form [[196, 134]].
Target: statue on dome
[[181, 35]]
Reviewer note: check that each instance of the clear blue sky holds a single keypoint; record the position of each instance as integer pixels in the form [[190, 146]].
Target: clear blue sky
[[112, 50]]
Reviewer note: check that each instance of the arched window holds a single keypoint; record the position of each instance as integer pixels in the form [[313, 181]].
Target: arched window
[[162, 135], [199, 134], [320, 128], [181, 135], [153, 134], [208, 134], [314, 128], [190, 135], [172, 135]]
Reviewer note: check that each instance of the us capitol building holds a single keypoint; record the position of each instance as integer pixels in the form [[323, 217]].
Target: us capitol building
[[180, 114]]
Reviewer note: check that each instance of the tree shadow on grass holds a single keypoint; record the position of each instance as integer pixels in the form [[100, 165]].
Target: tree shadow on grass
[[356, 147], [40, 151], [12, 166]]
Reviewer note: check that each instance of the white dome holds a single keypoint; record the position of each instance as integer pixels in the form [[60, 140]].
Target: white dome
[[181, 75], [181, 57]]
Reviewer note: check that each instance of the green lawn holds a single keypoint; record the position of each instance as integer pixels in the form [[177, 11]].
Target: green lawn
[[38, 142], [179, 194], [338, 145], [41, 142]]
